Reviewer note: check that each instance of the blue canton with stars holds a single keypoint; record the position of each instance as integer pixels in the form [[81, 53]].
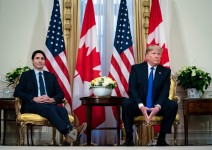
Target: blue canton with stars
[[123, 38], [54, 40]]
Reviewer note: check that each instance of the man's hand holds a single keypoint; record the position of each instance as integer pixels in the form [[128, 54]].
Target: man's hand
[[144, 112], [43, 99], [48, 100], [154, 111]]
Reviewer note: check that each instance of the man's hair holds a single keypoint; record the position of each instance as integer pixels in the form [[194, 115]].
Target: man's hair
[[153, 47], [40, 52]]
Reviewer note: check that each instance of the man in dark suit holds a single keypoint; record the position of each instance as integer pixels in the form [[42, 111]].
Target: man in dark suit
[[40, 93], [137, 103]]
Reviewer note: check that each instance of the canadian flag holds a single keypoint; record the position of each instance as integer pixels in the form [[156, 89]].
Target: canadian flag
[[87, 68], [156, 32], [156, 36]]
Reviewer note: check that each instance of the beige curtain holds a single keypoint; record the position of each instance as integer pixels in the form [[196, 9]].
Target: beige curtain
[[71, 29], [142, 13], [141, 25]]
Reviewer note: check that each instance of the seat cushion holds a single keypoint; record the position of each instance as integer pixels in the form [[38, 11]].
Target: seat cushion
[[29, 116], [155, 118], [141, 118], [35, 117]]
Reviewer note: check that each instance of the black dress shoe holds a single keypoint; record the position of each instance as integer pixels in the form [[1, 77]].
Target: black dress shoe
[[65, 143], [162, 143], [128, 143]]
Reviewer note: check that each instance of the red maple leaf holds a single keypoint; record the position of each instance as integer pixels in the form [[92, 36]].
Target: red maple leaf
[[86, 63]]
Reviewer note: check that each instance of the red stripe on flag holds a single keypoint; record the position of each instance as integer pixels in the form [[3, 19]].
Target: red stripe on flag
[[116, 66], [125, 61], [62, 66]]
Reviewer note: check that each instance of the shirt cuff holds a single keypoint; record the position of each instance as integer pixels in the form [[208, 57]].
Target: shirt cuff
[[140, 105], [158, 105]]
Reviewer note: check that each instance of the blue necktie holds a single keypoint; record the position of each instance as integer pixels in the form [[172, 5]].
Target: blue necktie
[[149, 94], [42, 90]]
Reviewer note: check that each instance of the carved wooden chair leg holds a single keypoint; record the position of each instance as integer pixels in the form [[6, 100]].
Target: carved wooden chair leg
[[137, 135], [18, 134], [27, 134], [31, 133], [61, 138], [123, 134], [141, 135], [175, 134], [149, 134], [22, 128], [153, 135], [54, 136], [138, 140]]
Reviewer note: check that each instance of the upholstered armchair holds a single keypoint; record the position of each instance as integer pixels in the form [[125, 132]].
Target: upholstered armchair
[[26, 120], [142, 125]]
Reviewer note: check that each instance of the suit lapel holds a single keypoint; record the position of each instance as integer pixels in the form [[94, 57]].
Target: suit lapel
[[46, 81], [158, 75], [34, 80], [145, 72]]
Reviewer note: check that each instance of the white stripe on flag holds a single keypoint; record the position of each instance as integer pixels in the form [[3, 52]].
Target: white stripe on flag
[[115, 75], [129, 56], [63, 58]]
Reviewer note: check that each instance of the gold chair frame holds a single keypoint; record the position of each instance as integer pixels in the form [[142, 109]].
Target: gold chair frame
[[29, 119], [141, 124]]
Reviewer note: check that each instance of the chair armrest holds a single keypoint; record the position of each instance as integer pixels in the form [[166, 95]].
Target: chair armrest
[[18, 103], [176, 98], [64, 101]]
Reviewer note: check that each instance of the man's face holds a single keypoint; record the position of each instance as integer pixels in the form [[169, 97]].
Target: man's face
[[38, 61], [154, 57]]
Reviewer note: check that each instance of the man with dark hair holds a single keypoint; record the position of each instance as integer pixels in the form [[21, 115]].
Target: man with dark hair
[[149, 84], [40, 93]]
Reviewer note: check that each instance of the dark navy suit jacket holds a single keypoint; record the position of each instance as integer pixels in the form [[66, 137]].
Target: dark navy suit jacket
[[138, 83], [27, 89]]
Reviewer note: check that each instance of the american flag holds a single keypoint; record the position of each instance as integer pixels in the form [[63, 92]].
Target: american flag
[[56, 61], [156, 33], [123, 57]]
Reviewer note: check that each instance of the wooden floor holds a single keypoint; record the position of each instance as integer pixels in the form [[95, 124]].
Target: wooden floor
[[105, 148]]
